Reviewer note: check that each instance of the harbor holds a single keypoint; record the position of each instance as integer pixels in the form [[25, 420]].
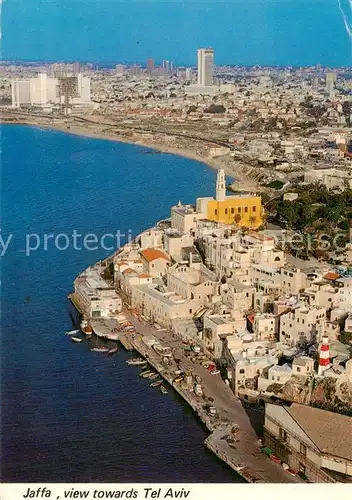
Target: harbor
[[215, 405]]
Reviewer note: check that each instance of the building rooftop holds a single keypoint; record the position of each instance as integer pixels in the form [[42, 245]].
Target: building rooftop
[[330, 432], [151, 254]]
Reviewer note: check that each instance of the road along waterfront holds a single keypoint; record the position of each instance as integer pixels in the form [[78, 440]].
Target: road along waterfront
[[242, 453]]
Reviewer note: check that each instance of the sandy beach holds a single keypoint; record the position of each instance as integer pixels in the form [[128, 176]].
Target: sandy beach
[[86, 130]]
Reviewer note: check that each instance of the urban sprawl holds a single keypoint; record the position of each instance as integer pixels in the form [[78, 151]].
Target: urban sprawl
[[241, 300]]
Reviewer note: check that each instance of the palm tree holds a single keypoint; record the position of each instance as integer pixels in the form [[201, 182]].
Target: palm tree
[[237, 219], [252, 221]]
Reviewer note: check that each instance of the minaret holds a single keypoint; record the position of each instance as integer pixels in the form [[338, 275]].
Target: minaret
[[324, 356], [220, 185]]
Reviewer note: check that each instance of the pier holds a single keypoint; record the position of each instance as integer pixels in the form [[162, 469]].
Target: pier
[[243, 452]]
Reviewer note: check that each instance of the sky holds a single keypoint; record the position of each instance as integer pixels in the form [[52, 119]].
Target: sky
[[242, 32]]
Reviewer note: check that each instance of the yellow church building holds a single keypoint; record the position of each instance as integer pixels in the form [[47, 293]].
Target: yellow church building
[[243, 210]]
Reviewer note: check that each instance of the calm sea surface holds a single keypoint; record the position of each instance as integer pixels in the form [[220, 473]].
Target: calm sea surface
[[68, 414]]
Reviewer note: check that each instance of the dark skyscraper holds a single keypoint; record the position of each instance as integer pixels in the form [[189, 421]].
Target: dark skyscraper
[[150, 66]]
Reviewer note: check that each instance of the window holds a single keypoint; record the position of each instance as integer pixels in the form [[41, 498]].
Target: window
[[303, 449], [232, 210], [245, 210], [216, 211], [254, 208], [302, 468], [282, 434], [190, 311], [298, 369], [241, 371], [239, 210], [225, 211]]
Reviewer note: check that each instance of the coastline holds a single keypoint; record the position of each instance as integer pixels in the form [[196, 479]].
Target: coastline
[[245, 456], [85, 130]]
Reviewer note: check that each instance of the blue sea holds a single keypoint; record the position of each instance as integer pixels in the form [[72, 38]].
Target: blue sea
[[69, 414]]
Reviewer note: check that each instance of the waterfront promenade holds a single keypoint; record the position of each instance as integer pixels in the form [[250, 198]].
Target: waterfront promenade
[[244, 456]]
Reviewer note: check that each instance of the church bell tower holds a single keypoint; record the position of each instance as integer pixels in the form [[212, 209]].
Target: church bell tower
[[220, 185]]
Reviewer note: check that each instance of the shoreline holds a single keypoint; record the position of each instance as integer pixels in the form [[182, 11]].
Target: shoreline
[[245, 457], [161, 148]]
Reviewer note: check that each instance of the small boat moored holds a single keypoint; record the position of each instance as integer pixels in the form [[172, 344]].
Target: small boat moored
[[72, 332], [76, 339], [163, 389], [156, 383], [153, 376], [113, 350], [137, 362], [100, 348]]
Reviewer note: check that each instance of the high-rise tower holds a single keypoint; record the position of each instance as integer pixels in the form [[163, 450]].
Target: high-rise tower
[[205, 67]]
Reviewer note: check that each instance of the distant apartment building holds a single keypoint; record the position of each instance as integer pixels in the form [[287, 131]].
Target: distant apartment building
[[119, 70], [150, 66], [332, 178], [330, 81], [188, 73], [44, 91]]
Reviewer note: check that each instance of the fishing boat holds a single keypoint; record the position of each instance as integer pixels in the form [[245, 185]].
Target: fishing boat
[[144, 373], [153, 376], [163, 389], [100, 348], [156, 383], [113, 350], [137, 362], [76, 339], [72, 332]]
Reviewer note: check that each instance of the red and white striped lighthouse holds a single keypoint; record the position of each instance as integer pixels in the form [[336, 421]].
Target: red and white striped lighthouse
[[324, 356]]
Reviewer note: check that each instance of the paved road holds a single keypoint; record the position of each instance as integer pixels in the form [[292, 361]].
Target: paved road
[[230, 410]]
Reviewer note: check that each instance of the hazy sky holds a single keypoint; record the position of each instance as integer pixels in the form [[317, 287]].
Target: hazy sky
[[272, 32]]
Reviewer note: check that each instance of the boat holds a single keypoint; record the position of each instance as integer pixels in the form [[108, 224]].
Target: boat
[[76, 339], [113, 350], [100, 348], [87, 330], [137, 362], [163, 389], [72, 332], [146, 374], [156, 383], [154, 376]]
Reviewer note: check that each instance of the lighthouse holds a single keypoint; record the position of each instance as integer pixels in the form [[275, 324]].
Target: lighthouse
[[324, 356]]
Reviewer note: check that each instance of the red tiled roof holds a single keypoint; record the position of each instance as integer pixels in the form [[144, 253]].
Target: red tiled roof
[[150, 254], [331, 276]]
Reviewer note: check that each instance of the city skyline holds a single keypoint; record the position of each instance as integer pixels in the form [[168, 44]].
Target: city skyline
[[258, 32]]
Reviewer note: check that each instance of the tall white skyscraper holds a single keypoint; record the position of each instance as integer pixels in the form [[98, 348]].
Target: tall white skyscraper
[[205, 67]]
